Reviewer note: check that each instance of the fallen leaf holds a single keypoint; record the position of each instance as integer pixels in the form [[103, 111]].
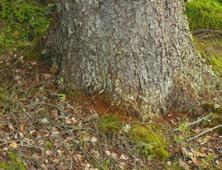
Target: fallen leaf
[[47, 76], [184, 164], [92, 117], [108, 153], [68, 121], [13, 145], [123, 157], [189, 155], [198, 154], [93, 140]]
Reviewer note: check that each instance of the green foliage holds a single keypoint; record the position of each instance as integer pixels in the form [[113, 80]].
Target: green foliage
[[48, 145], [106, 164], [21, 21], [4, 98], [183, 126], [108, 124], [4, 95], [204, 14], [14, 163], [149, 143], [216, 63]]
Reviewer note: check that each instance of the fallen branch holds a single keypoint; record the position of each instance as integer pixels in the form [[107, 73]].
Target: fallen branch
[[200, 119], [204, 132], [207, 31]]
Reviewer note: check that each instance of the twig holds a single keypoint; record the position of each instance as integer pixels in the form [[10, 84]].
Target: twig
[[207, 31], [4, 142], [30, 146], [67, 148], [97, 135], [196, 121], [90, 158], [54, 106], [200, 119], [204, 132]]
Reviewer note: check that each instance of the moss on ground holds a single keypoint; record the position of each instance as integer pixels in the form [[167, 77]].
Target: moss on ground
[[204, 14], [150, 142], [211, 50], [21, 22], [13, 163]]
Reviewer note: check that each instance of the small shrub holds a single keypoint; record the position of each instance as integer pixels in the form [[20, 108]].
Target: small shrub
[[204, 14], [108, 124], [149, 143]]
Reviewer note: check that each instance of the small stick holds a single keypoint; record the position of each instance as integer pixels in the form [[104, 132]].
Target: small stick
[[204, 132], [196, 121], [207, 31], [200, 119]]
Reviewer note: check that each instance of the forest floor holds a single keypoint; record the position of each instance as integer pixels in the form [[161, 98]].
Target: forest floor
[[42, 126]]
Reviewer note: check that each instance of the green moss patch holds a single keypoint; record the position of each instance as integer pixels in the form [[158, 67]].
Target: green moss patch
[[211, 50], [21, 21], [13, 163], [149, 142], [204, 14]]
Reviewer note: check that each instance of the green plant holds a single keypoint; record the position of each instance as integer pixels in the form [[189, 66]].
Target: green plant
[[106, 164], [4, 96], [48, 145], [6, 100], [204, 14], [14, 163], [108, 124], [21, 21], [183, 126], [149, 143]]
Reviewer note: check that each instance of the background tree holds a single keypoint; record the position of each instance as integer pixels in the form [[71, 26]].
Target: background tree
[[139, 53]]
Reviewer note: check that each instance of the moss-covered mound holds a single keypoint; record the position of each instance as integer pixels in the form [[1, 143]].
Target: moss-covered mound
[[204, 14], [149, 141]]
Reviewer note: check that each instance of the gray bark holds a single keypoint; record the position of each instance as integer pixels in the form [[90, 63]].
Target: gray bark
[[138, 51]]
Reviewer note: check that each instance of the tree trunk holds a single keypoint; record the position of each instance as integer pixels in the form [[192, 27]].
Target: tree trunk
[[138, 51]]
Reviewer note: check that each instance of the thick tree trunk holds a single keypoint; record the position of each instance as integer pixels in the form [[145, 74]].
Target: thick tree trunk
[[139, 51]]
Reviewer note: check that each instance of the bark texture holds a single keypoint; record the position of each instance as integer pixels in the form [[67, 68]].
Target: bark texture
[[139, 51]]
